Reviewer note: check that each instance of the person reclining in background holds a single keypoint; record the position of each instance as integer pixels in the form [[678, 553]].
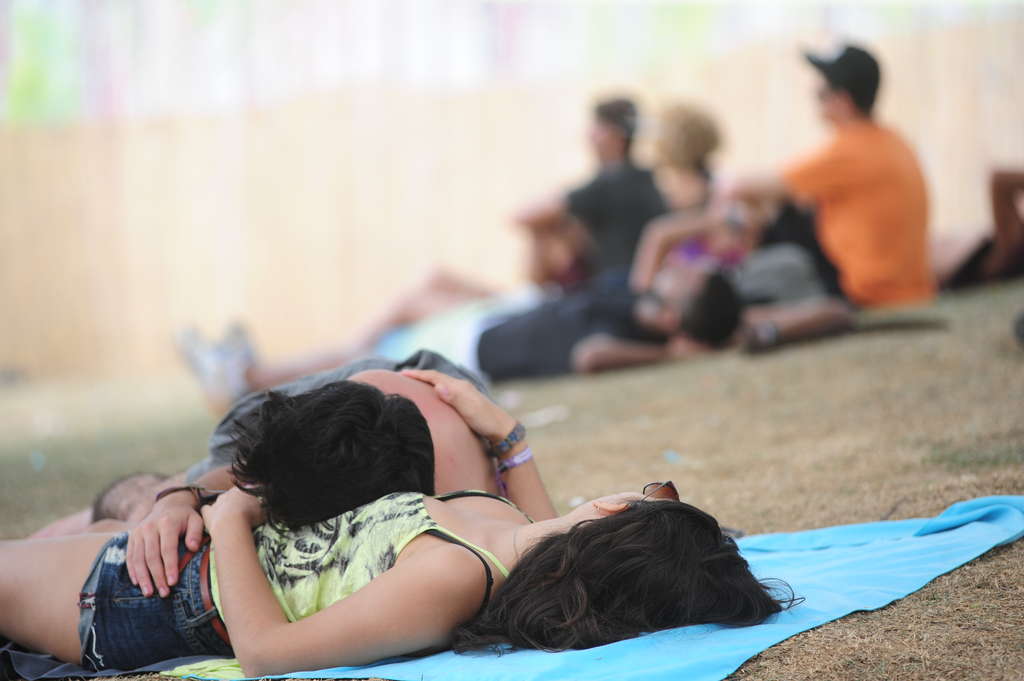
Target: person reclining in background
[[769, 251], [595, 328], [593, 230], [301, 580]]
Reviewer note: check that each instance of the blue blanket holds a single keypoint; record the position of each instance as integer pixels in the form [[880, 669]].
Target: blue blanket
[[838, 570]]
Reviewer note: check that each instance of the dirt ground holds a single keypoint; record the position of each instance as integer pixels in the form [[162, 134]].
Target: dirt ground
[[884, 424]]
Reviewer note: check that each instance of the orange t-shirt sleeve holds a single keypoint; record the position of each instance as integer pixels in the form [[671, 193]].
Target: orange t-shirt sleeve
[[819, 174]]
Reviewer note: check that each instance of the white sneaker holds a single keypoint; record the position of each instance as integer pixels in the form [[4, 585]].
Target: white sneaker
[[219, 368]]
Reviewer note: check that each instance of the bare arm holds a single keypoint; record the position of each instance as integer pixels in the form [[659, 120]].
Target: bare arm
[[753, 189], [601, 352], [547, 214], [490, 421], [660, 236], [413, 606], [526, 488], [770, 325]]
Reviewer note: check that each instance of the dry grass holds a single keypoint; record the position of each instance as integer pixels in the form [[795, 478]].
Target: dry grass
[[882, 425]]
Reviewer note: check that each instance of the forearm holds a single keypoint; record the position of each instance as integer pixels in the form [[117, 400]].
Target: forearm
[[602, 352], [248, 606], [526, 489], [545, 215], [659, 238], [758, 188], [218, 478]]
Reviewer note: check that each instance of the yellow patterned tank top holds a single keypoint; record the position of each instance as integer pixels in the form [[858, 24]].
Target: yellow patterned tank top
[[313, 567]]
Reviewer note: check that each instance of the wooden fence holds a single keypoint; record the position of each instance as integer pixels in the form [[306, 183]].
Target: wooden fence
[[303, 219]]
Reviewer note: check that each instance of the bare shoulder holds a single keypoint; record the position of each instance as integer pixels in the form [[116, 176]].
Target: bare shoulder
[[497, 509], [445, 573]]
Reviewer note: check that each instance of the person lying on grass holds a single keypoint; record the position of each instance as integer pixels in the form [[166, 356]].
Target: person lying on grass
[[386, 428], [293, 579]]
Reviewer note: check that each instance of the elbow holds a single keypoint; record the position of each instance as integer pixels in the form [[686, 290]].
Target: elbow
[[257, 660], [259, 669]]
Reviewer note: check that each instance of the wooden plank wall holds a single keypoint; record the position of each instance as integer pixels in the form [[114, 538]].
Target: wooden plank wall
[[303, 219]]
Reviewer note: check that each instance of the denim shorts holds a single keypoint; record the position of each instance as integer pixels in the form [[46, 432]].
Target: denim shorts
[[122, 629]]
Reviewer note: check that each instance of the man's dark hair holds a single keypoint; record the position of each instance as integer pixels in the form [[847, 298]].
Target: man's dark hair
[[656, 565], [714, 312], [852, 70], [314, 456], [619, 113]]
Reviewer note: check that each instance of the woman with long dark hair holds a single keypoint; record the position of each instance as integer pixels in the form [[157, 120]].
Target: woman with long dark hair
[[404, 574]]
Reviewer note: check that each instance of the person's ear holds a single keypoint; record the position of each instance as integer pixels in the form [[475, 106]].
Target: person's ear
[[607, 508]]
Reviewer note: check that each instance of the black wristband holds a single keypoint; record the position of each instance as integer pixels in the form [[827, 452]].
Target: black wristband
[[201, 495], [171, 490]]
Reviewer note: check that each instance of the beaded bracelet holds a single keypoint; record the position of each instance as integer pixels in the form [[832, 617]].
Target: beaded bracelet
[[517, 434], [507, 465]]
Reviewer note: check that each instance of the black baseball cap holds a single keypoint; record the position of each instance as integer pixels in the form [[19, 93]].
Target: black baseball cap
[[851, 69]]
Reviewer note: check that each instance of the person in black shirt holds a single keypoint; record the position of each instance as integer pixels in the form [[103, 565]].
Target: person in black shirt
[[593, 230]]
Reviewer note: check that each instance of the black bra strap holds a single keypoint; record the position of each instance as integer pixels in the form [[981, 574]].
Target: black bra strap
[[487, 566], [480, 493], [471, 493]]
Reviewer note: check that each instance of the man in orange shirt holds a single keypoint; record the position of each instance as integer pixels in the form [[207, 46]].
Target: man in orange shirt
[[867, 188]]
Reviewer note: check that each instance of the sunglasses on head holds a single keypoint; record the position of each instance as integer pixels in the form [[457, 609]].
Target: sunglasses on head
[[660, 490]]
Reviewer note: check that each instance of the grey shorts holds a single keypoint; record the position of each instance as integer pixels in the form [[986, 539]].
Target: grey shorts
[[780, 273], [221, 445]]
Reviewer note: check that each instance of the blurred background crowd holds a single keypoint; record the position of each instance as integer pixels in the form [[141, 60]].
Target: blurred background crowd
[[299, 165]]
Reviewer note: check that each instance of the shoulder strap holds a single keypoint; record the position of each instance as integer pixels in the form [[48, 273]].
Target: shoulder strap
[[480, 493], [471, 493], [487, 568]]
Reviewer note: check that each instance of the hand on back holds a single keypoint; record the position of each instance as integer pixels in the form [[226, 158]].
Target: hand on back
[[152, 551], [483, 416]]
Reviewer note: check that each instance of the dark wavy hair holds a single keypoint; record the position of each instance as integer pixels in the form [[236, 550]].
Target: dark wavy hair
[[655, 565], [316, 455]]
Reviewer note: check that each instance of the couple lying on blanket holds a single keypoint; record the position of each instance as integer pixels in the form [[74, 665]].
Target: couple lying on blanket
[[330, 547]]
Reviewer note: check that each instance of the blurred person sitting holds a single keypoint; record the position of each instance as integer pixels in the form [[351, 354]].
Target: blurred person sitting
[[785, 281], [994, 254], [593, 230], [866, 185]]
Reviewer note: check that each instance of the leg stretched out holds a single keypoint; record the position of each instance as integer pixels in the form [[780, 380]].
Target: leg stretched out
[[437, 292], [39, 588]]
